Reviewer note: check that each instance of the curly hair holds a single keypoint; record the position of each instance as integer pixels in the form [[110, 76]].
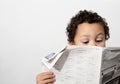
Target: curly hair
[[89, 17]]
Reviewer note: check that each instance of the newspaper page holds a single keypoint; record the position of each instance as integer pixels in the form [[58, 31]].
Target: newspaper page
[[83, 65], [110, 70]]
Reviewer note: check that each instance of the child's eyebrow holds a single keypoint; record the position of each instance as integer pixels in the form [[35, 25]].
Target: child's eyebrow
[[86, 35], [101, 34]]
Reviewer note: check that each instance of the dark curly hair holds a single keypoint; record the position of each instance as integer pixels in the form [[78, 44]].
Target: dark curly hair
[[85, 16]]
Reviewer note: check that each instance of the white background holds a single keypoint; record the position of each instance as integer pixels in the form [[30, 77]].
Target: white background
[[30, 29]]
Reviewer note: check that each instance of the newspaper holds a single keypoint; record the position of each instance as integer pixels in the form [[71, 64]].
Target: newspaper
[[85, 65]]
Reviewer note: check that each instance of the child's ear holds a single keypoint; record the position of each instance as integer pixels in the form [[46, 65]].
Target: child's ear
[[71, 43]]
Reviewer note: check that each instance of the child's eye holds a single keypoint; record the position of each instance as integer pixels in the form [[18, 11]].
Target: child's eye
[[85, 42], [99, 40]]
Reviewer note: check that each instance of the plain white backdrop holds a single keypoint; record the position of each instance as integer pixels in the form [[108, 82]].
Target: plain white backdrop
[[30, 29]]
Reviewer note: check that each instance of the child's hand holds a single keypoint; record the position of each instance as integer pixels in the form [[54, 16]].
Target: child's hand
[[45, 78]]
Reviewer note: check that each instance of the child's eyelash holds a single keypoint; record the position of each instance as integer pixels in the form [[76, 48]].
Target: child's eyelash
[[86, 42], [99, 40]]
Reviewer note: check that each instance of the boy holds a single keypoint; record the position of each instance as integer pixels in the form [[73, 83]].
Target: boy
[[86, 28]]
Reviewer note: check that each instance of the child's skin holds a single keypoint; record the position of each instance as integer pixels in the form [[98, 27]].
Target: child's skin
[[87, 34]]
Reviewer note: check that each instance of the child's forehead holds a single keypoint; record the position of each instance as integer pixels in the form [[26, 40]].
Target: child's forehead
[[86, 24], [87, 30], [87, 27]]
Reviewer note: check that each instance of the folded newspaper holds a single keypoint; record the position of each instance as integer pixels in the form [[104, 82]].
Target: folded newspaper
[[85, 65]]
